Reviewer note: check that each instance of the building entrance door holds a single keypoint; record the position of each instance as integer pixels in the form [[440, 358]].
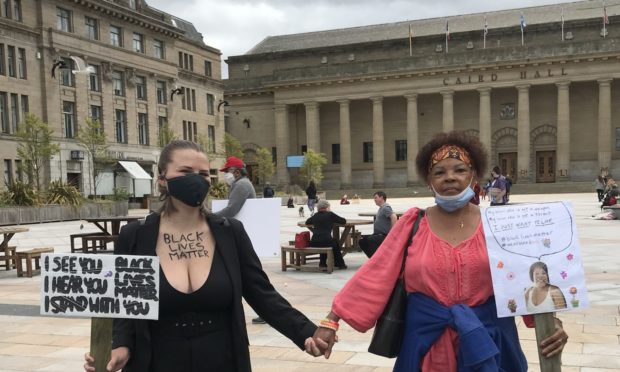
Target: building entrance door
[[252, 170], [545, 166], [508, 163]]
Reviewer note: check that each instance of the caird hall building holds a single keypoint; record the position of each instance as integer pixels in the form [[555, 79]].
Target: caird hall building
[[139, 54], [369, 97]]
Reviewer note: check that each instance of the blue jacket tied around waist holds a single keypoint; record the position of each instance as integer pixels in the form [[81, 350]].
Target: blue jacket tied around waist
[[486, 343]]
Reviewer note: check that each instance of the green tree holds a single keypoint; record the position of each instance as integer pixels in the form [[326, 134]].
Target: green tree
[[312, 167], [91, 138], [166, 135], [208, 147], [266, 168], [232, 146], [35, 147]]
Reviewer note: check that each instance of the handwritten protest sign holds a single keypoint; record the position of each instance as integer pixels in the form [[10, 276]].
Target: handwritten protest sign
[[534, 257], [86, 285]]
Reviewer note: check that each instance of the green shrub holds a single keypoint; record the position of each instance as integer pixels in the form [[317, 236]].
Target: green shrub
[[21, 194], [63, 193], [218, 191], [121, 194]]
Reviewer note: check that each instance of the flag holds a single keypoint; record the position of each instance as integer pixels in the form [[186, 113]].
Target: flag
[[605, 18], [410, 41], [523, 25], [486, 31], [562, 18]]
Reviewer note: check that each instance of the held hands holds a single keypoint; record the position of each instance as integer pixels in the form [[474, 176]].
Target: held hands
[[118, 359], [554, 344], [321, 342]]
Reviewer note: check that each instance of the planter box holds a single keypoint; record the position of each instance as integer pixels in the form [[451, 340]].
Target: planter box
[[54, 213]]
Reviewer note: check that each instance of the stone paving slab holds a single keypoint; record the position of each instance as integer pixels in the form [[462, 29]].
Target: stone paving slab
[[33, 343]]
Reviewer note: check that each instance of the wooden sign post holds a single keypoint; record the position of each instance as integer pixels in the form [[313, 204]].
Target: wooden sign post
[[101, 342], [545, 327], [100, 287]]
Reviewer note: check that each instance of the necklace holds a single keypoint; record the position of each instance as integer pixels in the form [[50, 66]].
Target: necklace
[[461, 225]]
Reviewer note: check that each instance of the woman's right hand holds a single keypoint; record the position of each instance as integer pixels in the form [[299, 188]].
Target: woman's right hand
[[118, 359], [325, 339]]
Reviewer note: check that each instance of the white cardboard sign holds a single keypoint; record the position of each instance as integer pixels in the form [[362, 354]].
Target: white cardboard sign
[[261, 219], [534, 258], [100, 286]]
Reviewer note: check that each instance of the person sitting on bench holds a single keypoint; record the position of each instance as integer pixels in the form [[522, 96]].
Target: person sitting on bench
[[323, 222], [384, 220]]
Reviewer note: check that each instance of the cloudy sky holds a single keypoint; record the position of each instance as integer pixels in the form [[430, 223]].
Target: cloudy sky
[[235, 26]]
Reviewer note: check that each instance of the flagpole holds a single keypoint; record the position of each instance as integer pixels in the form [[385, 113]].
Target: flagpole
[[522, 36], [484, 43], [410, 42], [604, 20], [562, 23]]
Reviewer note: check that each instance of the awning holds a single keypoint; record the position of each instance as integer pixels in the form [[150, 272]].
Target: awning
[[135, 170]]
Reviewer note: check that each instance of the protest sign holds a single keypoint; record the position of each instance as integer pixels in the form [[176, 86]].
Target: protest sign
[[534, 257], [261, 220], [105, 286]]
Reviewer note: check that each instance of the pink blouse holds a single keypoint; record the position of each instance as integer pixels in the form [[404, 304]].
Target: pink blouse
[[450, 275]]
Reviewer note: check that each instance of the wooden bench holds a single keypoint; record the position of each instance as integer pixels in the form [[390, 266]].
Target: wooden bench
[[8, 256], [30, 256], [297, 258], [97, 243]]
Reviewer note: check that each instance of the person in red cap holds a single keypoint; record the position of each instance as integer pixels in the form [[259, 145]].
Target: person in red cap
[[241, 188]]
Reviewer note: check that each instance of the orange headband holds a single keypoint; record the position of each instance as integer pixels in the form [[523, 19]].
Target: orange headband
[[450, 151]]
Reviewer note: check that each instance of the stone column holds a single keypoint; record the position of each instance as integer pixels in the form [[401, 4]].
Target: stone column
[[523, 137], [563, 130], [345, 144], [484, 124], [604, 124], [282, 144], [378, 158], [412, 138], [448, 110], [313, 130]]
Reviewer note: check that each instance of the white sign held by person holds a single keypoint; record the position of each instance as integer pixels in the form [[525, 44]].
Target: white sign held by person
[[534, 257], [104, 286], [261, 220]]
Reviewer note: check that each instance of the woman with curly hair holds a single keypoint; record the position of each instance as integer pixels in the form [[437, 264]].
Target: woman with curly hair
[[451, 322]]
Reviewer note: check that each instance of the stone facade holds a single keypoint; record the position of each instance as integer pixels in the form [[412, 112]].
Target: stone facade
[[131, 90], [543, 109]]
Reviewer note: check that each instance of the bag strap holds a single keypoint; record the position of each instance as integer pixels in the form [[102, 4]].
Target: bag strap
[[416, 224]]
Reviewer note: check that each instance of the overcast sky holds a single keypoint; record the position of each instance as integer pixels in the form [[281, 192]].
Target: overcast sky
[[235, 26]]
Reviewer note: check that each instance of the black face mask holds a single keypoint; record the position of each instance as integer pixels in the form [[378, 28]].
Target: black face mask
[[191, 189]]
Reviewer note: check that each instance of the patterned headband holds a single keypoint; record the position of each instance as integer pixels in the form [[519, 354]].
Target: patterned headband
[[450, 151]]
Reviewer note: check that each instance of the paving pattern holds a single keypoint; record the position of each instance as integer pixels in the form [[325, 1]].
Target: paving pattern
[[29, 342]]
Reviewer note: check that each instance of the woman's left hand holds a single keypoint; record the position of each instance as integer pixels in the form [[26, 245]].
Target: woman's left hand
[[554, 344]]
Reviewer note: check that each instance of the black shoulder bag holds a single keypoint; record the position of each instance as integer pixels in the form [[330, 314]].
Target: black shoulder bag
[[388, 334]]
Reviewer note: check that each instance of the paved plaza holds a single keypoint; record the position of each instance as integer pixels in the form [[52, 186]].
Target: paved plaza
[[29, 342]]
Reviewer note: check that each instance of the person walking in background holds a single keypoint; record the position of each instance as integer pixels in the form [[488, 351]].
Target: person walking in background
[[241, 188], [322, 225], [312, 198], [599, 185], [384, 220], [498, 191]]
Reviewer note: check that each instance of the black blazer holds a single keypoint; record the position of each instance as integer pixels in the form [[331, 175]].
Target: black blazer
[[248, 281], [323, 223]]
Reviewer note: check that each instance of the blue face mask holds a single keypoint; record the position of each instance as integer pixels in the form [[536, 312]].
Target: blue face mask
[[454, 202]]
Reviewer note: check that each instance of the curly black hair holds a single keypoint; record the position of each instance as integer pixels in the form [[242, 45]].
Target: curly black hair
[[477, 151]]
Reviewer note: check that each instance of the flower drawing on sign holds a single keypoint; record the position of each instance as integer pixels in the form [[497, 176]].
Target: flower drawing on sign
[[570, 257], [500, 265], [574, 301], [512, 305], [547, 242], [564, 274], [510, 276]]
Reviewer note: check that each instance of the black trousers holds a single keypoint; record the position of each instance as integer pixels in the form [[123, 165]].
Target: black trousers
[[370, 243], [600, 193], [338, 259]]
